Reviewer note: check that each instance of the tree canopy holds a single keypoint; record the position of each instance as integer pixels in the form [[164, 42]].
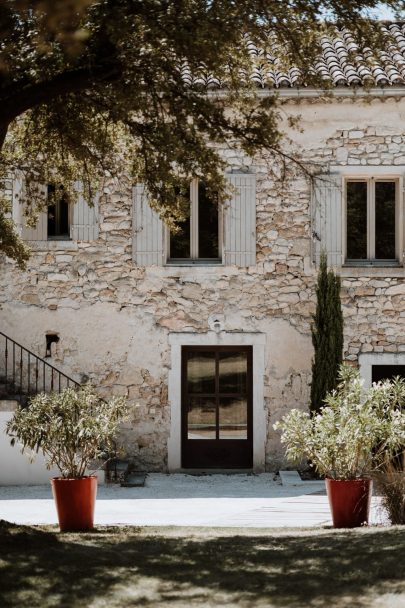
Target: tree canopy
[[90, 88]]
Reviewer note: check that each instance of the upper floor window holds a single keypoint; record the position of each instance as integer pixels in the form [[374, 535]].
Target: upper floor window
[[198, 238], [372, 220], [59, 219], [58, 215]]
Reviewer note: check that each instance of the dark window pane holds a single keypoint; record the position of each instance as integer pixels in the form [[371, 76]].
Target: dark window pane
[[207, 225], [232, 372], [180, 241], [387, 372], [385, 220], [357, 220], [51, 213], [63, 218], [232, 418], [52, 220], [201, 419], [58, 214], [201, 372]]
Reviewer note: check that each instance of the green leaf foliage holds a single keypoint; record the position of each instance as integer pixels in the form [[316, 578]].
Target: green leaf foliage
[[72, 427], [327, 335], [354, 434]]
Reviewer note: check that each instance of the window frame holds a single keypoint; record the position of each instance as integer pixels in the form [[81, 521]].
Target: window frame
[[59, 237], [371, 180], [194, 260]]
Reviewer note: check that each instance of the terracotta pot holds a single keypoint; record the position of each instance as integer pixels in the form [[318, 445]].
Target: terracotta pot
[[75, 501], [349, 501]]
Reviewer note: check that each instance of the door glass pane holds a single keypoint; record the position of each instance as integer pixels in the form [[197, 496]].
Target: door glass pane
[[232, 372], [207, 225], [201, 420], [201, 372], [357, 220], [385, 220], [180, 241], [232, 418]]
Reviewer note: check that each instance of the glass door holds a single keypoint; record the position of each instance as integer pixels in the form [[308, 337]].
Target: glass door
[[217, 407]]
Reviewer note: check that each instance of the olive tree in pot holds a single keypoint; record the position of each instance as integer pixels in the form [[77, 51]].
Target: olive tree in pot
[[72, 428], [346, 442]]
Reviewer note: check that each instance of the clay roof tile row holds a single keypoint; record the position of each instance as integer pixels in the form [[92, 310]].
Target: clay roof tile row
[[342, 63]]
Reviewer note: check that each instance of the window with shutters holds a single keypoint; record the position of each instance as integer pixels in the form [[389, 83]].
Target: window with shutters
[[59, 221], [198, 238], [209, 235], [358, 217], [372, 221]]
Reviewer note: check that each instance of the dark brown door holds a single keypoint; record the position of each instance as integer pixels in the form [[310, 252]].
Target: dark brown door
[[217, 420]]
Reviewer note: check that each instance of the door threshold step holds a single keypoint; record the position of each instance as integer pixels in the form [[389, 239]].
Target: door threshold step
[[215, 471]]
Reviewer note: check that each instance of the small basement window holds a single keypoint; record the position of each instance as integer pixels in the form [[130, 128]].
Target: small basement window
[[387, 372], [50, 339]]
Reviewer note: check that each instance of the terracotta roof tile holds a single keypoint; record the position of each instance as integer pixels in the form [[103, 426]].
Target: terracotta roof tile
[[342, 63]]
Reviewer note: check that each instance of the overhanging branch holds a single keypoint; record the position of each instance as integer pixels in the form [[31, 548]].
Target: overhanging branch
[[32, 95]]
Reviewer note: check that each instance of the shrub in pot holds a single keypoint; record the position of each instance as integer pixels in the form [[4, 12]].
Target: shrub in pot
[[72, 428], [389, 472], [346, 442]]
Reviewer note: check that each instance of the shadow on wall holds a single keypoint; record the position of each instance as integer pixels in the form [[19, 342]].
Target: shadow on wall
[[129, 566]]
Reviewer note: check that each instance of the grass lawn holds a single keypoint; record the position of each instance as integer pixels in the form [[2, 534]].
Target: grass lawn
[[153, 567]]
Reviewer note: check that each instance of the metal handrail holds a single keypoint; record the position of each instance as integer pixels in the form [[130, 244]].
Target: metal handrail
[[23, 386]]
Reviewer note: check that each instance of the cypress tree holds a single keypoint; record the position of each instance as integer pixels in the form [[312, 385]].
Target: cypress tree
[[327, 335]]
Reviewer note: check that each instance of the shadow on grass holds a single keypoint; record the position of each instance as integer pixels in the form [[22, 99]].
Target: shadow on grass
[[128, 567]]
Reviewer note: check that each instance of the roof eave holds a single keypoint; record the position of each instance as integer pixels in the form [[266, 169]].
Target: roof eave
[[311, 93]]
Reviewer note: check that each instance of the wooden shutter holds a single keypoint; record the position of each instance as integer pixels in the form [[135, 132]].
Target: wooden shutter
[[240, 221], [7, 193], [327, 218], [40, 232], [147, 242], [85, 226]]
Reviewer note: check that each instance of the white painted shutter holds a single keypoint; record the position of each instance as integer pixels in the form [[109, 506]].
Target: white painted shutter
[[85, 225], [327, 218], [147, 242], [240, 221], [7, 192], [40, 232]]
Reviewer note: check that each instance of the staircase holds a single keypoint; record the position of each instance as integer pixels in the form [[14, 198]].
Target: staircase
[[23, 374]]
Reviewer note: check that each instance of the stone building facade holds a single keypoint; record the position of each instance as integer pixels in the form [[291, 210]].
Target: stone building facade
[[126, 326]]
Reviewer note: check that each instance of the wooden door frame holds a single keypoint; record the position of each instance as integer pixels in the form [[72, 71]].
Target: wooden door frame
[[233, 338], [204, 446]]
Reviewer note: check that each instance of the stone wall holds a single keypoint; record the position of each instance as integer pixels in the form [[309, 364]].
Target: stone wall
[[113, 319]]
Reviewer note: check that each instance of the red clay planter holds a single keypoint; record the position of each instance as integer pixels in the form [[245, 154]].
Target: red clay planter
[[349, 501], [75, 501]]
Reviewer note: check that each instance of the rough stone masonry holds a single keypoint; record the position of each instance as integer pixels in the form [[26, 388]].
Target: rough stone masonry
[[113, 319]]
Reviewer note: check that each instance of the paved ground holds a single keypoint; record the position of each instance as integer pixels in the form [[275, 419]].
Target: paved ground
[[254, 501]]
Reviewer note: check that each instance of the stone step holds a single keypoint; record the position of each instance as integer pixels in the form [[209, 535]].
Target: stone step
[[293, 478], [134, 480], [116, 469], [290, 478], [8, 405]]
